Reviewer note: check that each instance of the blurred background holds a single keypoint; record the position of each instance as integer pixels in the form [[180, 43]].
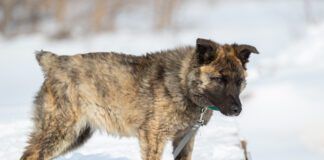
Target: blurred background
[[283, 108]]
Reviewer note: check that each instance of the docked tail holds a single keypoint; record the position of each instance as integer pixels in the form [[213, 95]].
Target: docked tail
[[46, 60]]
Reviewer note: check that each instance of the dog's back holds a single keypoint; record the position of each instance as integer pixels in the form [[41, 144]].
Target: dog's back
[[99, 88]]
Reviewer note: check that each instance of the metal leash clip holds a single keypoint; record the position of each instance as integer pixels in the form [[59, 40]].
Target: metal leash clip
[[201, 118]]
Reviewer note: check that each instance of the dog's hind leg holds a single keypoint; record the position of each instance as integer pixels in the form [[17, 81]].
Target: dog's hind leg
[[59, 128], [56, 139]]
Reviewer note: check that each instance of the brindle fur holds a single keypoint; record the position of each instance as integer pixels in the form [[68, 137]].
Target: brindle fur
[[155, 97]]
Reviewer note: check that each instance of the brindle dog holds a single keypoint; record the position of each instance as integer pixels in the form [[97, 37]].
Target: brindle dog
[[155, 97]]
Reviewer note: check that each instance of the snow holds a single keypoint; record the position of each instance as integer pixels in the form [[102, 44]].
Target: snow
[[282, 114]]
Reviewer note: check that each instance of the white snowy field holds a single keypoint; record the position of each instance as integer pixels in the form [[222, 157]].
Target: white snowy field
[[282, 105]]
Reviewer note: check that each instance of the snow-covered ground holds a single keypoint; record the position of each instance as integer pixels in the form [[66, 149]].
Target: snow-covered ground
[[282, 114]]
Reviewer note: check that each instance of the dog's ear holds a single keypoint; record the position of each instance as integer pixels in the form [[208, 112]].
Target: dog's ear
[[243, 52], [205, 50]]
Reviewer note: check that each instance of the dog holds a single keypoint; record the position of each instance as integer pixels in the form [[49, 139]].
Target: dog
[[155, 97]]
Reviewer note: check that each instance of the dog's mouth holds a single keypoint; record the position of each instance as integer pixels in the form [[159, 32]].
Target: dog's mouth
[[227, 111], [204, 100], [224, 109]]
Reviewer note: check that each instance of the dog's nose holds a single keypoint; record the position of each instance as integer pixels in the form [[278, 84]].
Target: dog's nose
[[236, 109]]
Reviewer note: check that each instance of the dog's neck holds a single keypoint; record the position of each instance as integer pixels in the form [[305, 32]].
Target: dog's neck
[[179, 79]]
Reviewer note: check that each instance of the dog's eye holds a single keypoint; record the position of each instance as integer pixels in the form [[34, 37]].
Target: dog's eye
[[238, 82], [217, 79]]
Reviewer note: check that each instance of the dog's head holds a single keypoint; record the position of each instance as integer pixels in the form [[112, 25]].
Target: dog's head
[[218, 75]]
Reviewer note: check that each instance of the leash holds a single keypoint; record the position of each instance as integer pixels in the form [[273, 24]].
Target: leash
[[193, 130]]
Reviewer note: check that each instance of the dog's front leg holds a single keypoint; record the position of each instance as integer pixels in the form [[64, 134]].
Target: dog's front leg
[[152, 144], [186, 152]]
